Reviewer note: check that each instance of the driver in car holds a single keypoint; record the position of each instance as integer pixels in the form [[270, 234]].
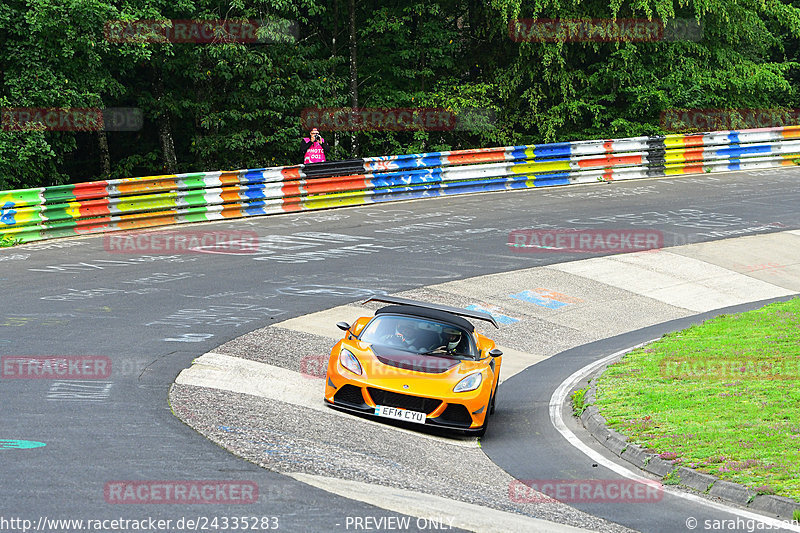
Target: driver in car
[[451, 338], [405, 335]]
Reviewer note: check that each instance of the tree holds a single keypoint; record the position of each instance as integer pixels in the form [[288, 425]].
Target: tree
[[225, 104]]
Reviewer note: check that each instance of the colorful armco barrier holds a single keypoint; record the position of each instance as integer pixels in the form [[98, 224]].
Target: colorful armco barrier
[[126, 204]]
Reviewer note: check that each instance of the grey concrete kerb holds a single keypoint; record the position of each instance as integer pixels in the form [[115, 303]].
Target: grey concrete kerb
[[618, 443]]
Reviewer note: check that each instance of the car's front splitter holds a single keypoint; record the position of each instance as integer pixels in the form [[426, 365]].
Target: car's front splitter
[[365, 409]]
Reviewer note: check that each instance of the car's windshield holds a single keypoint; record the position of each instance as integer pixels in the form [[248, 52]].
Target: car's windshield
[[419, 335]]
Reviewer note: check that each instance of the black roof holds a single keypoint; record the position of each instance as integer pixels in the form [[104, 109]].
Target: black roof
[[480, 315], [433, 314]]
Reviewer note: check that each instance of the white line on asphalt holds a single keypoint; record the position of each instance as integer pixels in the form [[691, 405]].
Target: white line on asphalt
[[557, 401], [449, 513]]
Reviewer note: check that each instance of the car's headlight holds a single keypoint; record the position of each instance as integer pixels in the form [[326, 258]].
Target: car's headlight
[[349, 361], [469, 383]]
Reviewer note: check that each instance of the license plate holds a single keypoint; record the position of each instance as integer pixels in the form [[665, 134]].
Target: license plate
[[400, 414]]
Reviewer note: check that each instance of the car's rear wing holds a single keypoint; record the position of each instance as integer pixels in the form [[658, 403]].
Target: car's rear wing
[[479, 315]]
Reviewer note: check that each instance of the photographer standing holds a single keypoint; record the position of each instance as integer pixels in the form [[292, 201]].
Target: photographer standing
[[314, 148]]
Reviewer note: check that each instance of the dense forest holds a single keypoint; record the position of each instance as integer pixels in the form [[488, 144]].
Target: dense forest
[[227, 103]]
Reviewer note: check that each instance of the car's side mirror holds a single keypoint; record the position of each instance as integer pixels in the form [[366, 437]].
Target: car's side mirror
[[344, 326], [495, 352]]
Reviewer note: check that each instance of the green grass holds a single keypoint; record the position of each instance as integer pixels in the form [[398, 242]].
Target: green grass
[[8, 242], [579, 401], [671, 478], [722, 397]]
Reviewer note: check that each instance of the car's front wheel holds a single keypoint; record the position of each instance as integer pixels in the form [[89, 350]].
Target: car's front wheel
[[490, 409]]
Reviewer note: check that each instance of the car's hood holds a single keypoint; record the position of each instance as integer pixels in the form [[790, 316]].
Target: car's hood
[[430, 364]]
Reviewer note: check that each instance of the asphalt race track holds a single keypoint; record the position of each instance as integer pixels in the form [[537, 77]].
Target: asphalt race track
[[152, 312]]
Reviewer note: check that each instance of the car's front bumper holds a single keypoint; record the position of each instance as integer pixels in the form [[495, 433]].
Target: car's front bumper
[[440, 412]]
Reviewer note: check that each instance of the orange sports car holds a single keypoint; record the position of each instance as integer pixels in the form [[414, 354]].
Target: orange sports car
[[416, 362]]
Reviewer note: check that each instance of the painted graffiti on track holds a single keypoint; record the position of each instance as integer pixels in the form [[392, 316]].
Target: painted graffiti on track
[[16, 444], [32, 320], [79, 391], [767, 268], [685, 218], [327, 290], [102, 264], [52, 245], [87, 294], [15, 257], [329, 254], [546, 298], [190, 337], [232, 314]]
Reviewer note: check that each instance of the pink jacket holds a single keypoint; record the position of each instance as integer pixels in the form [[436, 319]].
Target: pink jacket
[[315, 152]]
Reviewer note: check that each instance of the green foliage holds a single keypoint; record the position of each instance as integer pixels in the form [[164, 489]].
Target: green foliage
[[579, 401], [238, 105], [8, 242], [672, 478]]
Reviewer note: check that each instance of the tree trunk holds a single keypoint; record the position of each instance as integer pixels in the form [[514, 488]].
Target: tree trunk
[[353, 75], [164, 129], [333, 56], [105, 159]]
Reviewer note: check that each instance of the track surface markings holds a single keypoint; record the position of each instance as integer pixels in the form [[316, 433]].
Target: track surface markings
[[428, 507]]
